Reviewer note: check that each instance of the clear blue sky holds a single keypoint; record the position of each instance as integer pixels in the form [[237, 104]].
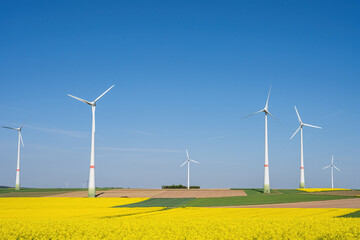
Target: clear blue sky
[[186, 72]]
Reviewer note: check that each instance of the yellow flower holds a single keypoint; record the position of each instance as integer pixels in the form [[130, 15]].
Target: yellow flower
[[322, 189], [83, 218]]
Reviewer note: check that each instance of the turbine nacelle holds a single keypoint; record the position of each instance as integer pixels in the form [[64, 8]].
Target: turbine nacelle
[[18, 130], [188, 159], [93, 103], [265, 110], [301, 124], [332, 164]]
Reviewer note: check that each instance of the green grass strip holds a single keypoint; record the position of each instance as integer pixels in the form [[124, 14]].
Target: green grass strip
[[257, 199], [288, 191], [160, 202]]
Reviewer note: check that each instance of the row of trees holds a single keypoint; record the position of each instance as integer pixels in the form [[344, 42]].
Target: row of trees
[[178, 187]]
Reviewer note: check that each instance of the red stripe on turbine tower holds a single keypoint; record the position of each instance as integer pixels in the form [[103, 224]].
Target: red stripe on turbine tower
[[92, 166], [18, 170], [266, 165], [301, 167]]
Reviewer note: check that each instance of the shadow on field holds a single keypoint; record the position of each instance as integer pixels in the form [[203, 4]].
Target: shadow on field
[[351, 215], [160, 202], [138, 213]]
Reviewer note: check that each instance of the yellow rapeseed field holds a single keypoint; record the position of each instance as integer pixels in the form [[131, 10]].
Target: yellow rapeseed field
[[83, 218], [322, 189]]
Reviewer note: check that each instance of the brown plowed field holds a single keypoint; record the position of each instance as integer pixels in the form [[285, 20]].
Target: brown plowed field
[[160, 193], [339, 203]]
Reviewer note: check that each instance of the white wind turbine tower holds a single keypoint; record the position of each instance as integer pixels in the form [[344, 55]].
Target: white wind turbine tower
[[332, 170], [302, 174], [188, 163], [17, 181], [266, 165], [91, 191]]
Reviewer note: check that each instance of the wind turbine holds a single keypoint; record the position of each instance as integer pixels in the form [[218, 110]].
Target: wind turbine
[[302, 175], [266, 165], [188, 163], [17, 181], [332, 170], [91, 191]]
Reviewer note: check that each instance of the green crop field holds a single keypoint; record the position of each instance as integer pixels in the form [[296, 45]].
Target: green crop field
[[256, 199], [288, 191], [252, 191]]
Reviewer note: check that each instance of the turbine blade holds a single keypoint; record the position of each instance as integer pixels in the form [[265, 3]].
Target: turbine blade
[[87, 102], [104, 93], [184, 163], [253, 113], [194, 161], [332, 160], [336, 168], [308, 125], [298, 115], [9, 127], [295, 132], [23, 123], [187, 154], [267, 101], [326, 167], [275, 118], [22, 142]]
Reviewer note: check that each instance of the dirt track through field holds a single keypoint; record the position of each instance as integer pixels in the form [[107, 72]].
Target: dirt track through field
[[338, 203], [160, 193]]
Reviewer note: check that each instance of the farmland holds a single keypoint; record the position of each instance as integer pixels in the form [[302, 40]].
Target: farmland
[[72, 218], [176, 218], [40, 192], [253, 197]]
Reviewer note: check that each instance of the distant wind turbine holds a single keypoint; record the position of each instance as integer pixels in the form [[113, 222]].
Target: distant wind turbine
[[17, 181], [332, 170], [302, 174], [266, 165], [91, 191], [188, 163]]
